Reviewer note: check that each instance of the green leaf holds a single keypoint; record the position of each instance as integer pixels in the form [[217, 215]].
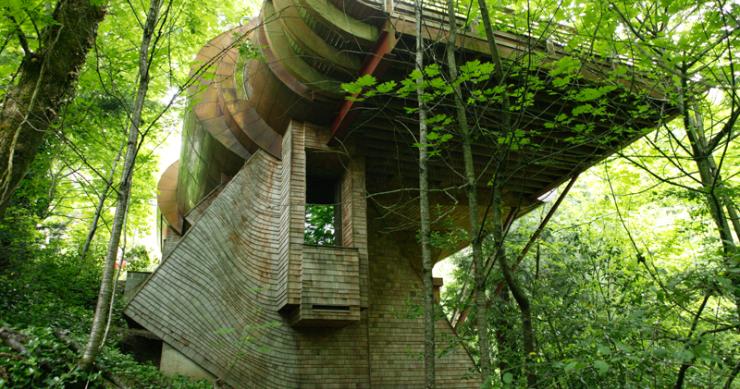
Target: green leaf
[[601, 366], [366, 80], [684, 355], [565, 66], [588, 94], [508, 378], [386, 87], [571, 367], [582, 109], [351, 87], [560, 82], [432, 70]]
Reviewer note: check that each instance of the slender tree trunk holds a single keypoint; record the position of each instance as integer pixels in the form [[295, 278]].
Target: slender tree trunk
[[732, 212], [47, 77], [723, 198], [481, 313], [517, 292], [425, 219], [708, 176], [502, 328], [106, 284], [686, 365], [99, 207], [496, 56]]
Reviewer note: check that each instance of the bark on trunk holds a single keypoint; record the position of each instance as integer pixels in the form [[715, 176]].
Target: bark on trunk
[[686, 365], [425, 219], [502, 327], [517, 292], [481, 313], [734, 217], [46, 80], [710, 182], [496, 56], [106, 284], [519, 296], [99, 208]]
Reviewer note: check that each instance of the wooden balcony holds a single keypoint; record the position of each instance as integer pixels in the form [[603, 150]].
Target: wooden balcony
[[329, 287]]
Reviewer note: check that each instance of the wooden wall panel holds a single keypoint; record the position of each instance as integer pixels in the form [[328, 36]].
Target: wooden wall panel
[[395, 322], [216, 298], [292, 216], [213, 299], [354, 217]]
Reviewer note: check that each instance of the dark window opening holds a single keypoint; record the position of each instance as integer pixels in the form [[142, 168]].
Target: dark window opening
[[331, 307], [322, 226]]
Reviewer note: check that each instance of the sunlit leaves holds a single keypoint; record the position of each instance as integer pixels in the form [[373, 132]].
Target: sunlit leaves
[[582, 109]]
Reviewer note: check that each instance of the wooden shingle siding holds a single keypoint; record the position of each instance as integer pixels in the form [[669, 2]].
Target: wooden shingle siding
[[213, 298], [317, 285], [395, 325], [216, 298], [330, 289], [354, 218], [292, 216]]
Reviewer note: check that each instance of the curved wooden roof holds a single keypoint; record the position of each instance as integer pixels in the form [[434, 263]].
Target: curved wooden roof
[[306, 48], [166, 197]]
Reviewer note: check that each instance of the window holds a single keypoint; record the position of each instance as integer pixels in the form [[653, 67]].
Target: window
[[322, 226]]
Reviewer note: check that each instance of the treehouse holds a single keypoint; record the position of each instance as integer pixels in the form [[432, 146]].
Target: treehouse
[[240, 295]]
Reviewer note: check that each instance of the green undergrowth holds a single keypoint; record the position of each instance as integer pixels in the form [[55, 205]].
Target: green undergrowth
[[46, 303]]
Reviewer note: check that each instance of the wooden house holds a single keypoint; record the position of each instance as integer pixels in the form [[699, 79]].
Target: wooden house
[[239, 296]]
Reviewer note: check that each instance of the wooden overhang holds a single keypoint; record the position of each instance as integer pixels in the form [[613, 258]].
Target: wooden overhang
[[386, 131], [166, 200], [288, 64]]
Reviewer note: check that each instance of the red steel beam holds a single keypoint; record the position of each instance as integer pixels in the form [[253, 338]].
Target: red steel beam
[[386, 43]]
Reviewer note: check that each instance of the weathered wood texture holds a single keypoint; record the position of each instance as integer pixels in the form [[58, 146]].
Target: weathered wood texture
[[330, 287], [168, 244], [354, 218], [292, 216], [308, 47], [395, 334], [213, 298], [319, 285], [216, 300], [167, 197]]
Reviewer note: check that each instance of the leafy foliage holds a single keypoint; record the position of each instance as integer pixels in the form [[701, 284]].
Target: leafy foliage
[[320, 225]]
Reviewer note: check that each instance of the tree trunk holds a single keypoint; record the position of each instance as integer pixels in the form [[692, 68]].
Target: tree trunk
[[47, 77], [502, 328], [471, 184], [99, 207], [425, 219], [520, 296], [709, 180], [106, 284], [734, 217], [687, 364], [496, 56]]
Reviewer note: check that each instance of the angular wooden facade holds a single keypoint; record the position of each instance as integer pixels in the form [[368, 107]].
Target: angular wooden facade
[[239, 293]]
